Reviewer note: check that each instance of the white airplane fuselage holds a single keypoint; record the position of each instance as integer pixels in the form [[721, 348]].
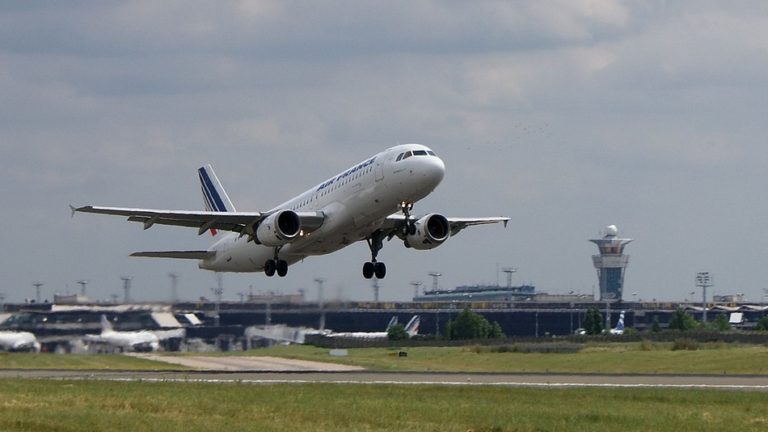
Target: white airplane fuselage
[[354, 202], [18, 341]]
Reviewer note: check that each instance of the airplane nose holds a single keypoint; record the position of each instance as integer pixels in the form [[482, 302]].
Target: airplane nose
[[434, 171]]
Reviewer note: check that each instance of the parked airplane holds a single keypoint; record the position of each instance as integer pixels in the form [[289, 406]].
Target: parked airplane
[[141, 341], [619, 329], [370, 201], [412, 328], [18, 341]]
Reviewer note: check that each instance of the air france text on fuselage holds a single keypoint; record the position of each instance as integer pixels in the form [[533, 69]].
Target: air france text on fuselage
[[347, 173]]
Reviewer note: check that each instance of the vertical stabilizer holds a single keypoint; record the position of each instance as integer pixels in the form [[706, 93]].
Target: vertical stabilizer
[[106, 326], [413, 326], [619, 330], [214, 195], [392, 322]]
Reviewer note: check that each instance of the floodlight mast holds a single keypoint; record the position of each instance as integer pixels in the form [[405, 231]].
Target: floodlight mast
[[126, 288], [37, 286], [416, 285], [83, 284], [435, 280], [509, 271], [703, 281]]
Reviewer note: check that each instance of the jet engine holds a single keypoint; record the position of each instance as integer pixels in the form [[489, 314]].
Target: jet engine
[[429, 232], [278, 228]]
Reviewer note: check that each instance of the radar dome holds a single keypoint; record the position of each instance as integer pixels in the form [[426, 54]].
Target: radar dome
[[611, 230]]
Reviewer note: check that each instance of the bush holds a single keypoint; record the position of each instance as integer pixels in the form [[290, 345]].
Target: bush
[[762, 324], [655, 326], [397, 332], [685, 344], [469, 325], [682, 320], [593, 322]]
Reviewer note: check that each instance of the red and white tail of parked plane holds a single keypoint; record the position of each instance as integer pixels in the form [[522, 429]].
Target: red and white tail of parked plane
[[371, 201]]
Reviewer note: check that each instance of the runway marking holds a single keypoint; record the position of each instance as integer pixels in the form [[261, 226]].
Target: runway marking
[[438, 383]]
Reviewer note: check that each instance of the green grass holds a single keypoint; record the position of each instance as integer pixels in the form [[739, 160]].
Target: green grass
[[79, 361], [31, 405], [609, 358]]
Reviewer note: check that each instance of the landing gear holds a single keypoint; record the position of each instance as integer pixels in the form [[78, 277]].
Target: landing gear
[[409, 228], [276, 265], [373, 267]]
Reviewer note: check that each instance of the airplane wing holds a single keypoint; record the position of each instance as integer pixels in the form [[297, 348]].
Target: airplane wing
[[202, 220], [396, 221], [196, 255]]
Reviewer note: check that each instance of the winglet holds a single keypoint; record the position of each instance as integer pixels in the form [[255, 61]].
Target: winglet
[[73, 210]]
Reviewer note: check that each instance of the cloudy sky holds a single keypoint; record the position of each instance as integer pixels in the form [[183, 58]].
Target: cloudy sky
[[565, 115]]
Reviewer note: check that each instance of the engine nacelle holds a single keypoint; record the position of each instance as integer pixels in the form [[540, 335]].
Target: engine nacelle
[[431, 231], [278, 228]]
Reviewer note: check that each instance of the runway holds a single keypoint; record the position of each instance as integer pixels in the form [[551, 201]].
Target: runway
[[723, 382]]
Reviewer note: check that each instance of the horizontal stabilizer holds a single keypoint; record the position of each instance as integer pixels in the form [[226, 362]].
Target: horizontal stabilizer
[[197, 255]]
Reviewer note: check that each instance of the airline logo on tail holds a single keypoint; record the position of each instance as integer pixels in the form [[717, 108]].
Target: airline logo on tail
[[619, 325], [214, 195], [412, 328]]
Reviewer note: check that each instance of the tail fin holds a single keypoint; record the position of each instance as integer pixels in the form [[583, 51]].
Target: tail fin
[[413, 326], [105, 324], [216, 199], [392, 322], [620, 324]]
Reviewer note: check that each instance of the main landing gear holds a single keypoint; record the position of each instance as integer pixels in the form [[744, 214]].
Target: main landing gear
[[276, 265]]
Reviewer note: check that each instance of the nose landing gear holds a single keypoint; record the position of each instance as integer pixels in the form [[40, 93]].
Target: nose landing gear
[[373, 267]]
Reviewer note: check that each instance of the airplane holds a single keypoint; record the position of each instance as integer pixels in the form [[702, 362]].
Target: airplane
[[19, 341], [619, 330], [371, 201], [412, 328], [140, 341]]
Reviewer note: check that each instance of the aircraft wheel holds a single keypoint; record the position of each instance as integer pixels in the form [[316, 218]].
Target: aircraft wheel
[[269, 268], [282, 268], [368, 269], [380, 270]]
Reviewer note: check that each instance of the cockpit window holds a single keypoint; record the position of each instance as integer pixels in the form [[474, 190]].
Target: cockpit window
[[406, 155]]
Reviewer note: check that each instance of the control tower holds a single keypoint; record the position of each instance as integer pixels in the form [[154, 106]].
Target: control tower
[[611, 263]]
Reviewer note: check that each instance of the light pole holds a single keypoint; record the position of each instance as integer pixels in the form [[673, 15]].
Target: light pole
[[320, 282], [375, 285], [83, 283], [703, 280], [416, 285], [174, 287], [218, 291], [509, 271], [435, 280], [37, 286], [126, 288]]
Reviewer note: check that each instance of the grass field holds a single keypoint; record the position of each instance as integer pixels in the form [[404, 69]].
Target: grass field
[[77, 361], [609, 358], [30, 405]]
